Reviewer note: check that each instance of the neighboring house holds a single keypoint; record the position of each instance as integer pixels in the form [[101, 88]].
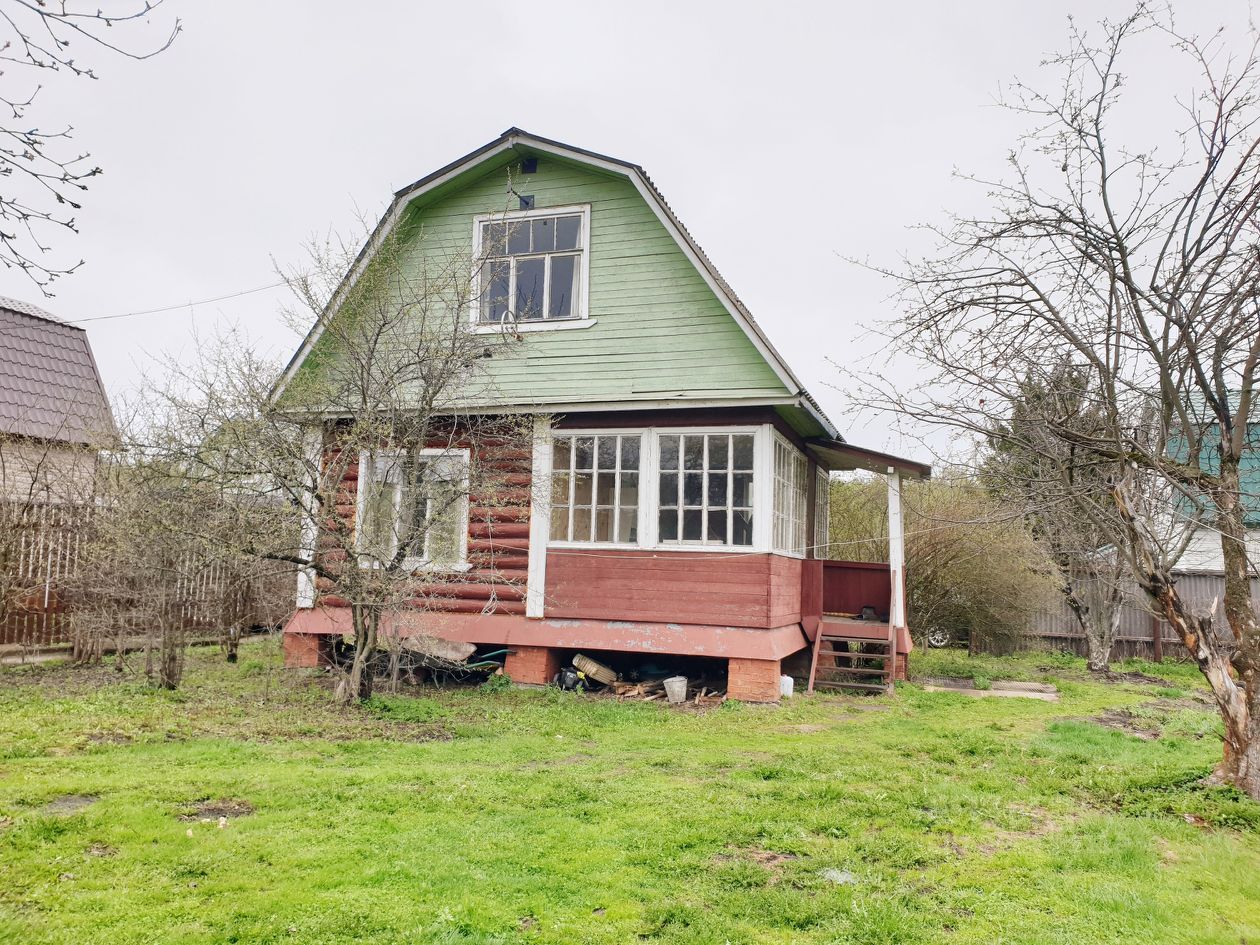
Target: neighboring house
[[54, 415], [1203, 554], [54, 418], [647, 355]]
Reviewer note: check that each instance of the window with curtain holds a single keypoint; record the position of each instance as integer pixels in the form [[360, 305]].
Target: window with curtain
[[416, 500]]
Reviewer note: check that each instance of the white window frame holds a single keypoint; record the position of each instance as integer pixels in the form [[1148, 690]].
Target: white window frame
[[582, 318], [796, 525], [822, 514], [649, 489], [367, 463], [642, 435]]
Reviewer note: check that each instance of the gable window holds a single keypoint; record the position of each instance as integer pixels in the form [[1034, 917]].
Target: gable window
[[416, 500], [706, 488], [595, 488], [532, 266]]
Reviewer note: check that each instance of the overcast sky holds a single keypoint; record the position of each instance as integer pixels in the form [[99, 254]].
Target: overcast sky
[[786, 136]]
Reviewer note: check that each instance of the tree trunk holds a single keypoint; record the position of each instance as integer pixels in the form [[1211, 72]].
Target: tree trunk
[[358, 684], [1099, 623], [1241, 763], [1240, 759]]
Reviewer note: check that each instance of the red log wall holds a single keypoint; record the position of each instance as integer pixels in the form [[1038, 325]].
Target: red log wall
[[498, 538], [711, 588]]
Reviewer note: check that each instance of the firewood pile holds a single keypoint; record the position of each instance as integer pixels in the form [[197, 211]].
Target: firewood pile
[[654, 691]]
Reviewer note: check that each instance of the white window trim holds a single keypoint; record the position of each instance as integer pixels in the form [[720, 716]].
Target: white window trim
[[778, 437], [822, 514], [366, 460], [583, 317], [649, 490]]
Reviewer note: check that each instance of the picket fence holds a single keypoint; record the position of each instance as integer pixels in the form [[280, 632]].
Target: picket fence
[[38, 562]]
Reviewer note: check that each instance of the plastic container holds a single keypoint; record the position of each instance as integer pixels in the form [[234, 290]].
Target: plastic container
[[676, 689], [786, 685]]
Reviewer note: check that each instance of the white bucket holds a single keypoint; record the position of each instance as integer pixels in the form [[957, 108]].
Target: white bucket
[[676, 689], [786, 685]]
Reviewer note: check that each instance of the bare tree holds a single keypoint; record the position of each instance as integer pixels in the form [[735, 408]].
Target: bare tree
[[376, 439], [1063, 490], [45, 178], [1141, 266]]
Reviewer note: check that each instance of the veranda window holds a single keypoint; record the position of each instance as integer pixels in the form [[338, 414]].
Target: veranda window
[[706, 488], [595, 488], [791, 472], [415, 500], [822, 515], [531, 268]]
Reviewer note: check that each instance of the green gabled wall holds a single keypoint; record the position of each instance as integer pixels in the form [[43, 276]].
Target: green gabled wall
[[661, 332]]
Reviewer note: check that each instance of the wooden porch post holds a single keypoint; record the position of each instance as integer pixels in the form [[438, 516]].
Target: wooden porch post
[[896, 551], [539, 519], [313, 448]]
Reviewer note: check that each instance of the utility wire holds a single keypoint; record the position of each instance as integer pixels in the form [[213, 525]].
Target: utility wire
[[171, 308]]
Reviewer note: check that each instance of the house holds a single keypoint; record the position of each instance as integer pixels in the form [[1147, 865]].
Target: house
[[639, 363], [54, 415], [54, 419]]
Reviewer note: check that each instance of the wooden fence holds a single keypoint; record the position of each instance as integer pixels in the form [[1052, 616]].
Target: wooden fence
[[1142, 633], [38, 562]]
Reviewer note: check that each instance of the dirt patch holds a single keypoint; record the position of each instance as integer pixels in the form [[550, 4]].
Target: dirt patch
[[580, 758], [1146, 721], [102, 849], [806, 729], [213, 810], [70, 803], [1143, 678], [1040, 822], [109, 738], [771, 860], [1123, 720]]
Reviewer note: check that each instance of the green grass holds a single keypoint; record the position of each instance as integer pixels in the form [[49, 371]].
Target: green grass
[[466, 816]]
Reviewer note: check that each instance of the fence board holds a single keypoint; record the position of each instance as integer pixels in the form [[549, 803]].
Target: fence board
[[1057, 628]]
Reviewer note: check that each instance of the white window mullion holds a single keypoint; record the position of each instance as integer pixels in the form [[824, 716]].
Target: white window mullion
[[546, 299], [649, 489]]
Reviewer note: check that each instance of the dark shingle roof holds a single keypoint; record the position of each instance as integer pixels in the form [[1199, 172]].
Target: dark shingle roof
[[49, 385]]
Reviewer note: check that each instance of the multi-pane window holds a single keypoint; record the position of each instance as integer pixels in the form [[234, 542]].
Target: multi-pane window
[[822, 515], [791, 471], [595, 488], [415, 500], [531, 268], [706, 488]]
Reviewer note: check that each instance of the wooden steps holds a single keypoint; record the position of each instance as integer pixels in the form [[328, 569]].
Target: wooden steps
[[850, 654]]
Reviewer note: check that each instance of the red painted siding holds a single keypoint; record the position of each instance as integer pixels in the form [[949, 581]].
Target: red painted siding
[[848, 586], [785, 590], [735, 590]]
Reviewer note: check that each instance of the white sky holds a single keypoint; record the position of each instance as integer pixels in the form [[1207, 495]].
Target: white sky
[[786, 136]]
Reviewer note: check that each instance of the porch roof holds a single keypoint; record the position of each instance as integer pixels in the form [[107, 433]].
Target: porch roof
[[838, 455]]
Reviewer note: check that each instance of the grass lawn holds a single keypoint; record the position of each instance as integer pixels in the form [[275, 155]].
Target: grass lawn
[[502, 815]]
